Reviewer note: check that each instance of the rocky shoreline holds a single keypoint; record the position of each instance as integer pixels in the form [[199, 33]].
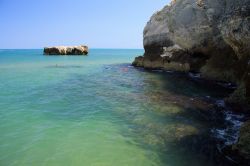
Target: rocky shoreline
[[209, 37]]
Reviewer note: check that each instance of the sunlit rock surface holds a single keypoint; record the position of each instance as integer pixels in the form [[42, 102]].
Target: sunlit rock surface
[[207, 36], [66, 50]]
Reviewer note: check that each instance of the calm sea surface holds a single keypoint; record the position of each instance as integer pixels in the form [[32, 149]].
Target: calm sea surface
[[97, 110]]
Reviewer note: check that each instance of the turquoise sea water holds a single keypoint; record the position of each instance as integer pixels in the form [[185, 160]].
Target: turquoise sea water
[[100, 111]]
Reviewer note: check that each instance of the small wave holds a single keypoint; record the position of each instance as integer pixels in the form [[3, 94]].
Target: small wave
[[228, 85], [220, 103], [230, 134], [194, 75]]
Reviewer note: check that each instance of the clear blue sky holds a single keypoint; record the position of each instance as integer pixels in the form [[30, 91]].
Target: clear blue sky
[[97, 23]]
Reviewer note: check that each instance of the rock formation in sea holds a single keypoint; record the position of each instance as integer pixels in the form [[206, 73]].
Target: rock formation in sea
[[66, 50], [211, 37], [207, 36]]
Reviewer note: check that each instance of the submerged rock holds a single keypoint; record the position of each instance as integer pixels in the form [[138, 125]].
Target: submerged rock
[[66, 50]]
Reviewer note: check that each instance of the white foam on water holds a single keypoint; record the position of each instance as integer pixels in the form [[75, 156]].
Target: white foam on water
[[169, 71], [220, 103], [194, 75], [230, 134]]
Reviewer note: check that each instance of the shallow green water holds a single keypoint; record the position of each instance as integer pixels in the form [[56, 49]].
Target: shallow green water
[[97, 111]]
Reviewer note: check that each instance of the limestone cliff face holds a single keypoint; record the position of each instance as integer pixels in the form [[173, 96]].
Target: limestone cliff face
[[66, 50], [207, 36]]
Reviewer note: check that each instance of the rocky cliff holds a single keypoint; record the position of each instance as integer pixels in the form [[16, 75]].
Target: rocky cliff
[[66, 50], [211, 37], [207, 36]]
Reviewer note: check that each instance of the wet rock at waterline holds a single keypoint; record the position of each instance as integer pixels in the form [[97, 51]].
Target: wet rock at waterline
[[240, 151], [66, 50], [243, 145]]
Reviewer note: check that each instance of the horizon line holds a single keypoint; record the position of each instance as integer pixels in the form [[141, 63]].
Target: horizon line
[[52, 46]]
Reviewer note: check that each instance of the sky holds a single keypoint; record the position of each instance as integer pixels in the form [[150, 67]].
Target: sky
[[96, 23]]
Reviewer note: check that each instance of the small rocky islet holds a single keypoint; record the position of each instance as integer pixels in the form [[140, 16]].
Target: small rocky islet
[[209, 37], [66, 50]]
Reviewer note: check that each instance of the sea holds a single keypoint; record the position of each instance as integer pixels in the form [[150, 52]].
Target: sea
[[98, 110]]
